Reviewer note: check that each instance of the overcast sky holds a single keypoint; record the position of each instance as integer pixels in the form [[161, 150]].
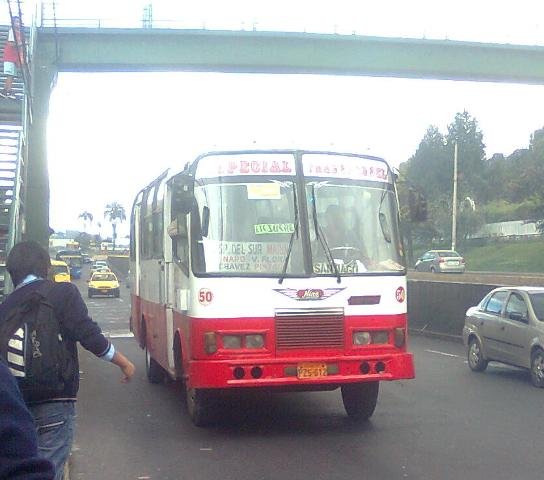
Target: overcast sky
[[115, 132]]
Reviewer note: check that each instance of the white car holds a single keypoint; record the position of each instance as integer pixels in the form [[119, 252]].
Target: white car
[[98, 265]]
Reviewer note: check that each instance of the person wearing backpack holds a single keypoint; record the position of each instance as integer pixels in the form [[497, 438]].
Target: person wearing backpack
[[41, 323]]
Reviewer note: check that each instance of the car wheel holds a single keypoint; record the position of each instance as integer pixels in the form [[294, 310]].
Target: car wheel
[[201, 406], [155, 373], [475, 357], [89, 294], [360, 399], [537, 368]]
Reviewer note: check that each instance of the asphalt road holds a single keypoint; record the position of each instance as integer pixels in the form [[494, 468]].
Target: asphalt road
[[448, 423]]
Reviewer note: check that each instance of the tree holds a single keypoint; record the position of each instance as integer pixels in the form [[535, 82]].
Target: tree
[[430, 168], [115, 212], [471, 180], [86, 217], [84, 240]]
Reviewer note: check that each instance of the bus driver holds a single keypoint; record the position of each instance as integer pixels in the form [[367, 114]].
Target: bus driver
[[342, 240]]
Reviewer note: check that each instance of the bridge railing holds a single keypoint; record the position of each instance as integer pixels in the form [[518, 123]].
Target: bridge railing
[[117, 14]]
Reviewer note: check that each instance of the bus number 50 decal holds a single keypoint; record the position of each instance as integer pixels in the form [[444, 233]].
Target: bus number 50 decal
[[205, 296]]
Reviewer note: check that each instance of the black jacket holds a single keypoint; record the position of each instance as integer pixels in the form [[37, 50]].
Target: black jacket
[[76, 325], [18, 442]]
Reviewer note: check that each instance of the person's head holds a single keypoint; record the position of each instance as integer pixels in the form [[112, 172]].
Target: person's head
[[27, 258]]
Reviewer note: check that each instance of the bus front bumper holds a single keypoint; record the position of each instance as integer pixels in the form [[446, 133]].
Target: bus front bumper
[[299, 372]]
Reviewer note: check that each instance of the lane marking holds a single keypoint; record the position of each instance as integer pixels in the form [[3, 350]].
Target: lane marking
[[444, 353]]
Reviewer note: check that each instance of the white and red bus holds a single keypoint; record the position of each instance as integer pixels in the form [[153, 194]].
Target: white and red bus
[[280, 270]]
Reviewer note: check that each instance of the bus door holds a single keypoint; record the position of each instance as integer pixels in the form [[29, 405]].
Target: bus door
[[177, 255]]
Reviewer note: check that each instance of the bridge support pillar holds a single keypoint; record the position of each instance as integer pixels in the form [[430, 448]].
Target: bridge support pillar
[[37, 179]]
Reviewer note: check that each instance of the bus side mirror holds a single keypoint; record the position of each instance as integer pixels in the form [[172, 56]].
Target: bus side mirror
[[417, 204], [182, 193], [205, 221]]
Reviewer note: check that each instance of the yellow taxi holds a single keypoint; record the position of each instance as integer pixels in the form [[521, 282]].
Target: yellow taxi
[[103, 283], [60, 271]]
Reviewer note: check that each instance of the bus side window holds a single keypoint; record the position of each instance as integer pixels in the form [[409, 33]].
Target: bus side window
[[177, 230]]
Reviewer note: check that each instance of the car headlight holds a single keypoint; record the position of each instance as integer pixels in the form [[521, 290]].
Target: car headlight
[[232, 341], [254, 341], [361, 338]]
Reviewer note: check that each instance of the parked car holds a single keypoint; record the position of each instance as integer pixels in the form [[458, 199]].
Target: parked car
[[103, 283], [440, 261], [507, 326]]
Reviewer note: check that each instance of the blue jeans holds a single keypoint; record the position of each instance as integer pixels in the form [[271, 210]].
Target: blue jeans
[[55, 426]]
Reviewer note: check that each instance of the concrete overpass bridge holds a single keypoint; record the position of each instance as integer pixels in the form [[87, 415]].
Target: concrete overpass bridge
[[149, 49]]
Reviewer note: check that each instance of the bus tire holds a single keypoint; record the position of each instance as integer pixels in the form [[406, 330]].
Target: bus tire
[[155, 373], [201, 406], [360, 399], [178, 360]]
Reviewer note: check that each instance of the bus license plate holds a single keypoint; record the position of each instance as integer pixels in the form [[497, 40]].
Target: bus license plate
[[311, 370], [103, 291]]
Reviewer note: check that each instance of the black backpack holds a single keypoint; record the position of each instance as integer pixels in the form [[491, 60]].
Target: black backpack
[[47, 361]]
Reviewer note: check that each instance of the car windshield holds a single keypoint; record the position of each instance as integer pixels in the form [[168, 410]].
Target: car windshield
[[537, 300], [60, 269], [104, 277], [448, 254]]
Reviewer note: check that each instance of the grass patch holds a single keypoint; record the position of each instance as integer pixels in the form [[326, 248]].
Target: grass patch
[[526, 256]]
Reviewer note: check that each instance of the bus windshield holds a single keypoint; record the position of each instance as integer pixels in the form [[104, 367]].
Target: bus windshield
[[358, 223], [249, 222], [248, 214]]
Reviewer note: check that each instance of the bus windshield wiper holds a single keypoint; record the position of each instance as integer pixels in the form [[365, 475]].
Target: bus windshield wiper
[[291, 239], [321, 237]]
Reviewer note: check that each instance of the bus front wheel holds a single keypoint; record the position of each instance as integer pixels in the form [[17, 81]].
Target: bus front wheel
[[201, 406], [360, 399]]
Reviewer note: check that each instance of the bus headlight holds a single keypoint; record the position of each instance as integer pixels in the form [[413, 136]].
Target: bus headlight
[[254, 341], [232, 341], [210, 345], [400, 337], [380, 337], [361, 338]]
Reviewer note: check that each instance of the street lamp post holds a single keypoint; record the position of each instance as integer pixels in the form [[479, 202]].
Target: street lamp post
[[454, 201]]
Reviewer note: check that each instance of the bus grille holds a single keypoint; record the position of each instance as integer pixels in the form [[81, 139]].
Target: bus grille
[[309, 328]]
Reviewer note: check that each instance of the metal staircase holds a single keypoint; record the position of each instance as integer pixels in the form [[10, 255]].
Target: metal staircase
[[12, 166]]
